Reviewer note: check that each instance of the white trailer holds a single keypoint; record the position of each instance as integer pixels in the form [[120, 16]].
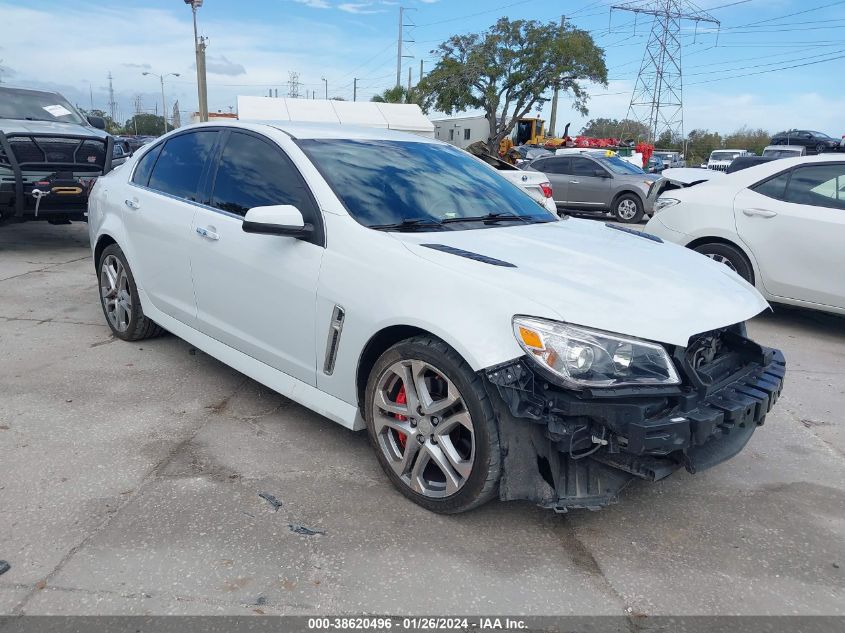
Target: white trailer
[[395, 116], [462, 131]]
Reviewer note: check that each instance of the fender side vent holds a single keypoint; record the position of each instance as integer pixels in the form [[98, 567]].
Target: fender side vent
[[642, 234], [333, 341], [469, 255]]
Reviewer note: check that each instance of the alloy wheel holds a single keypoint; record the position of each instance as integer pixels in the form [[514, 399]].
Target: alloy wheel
[[115, 293], [423, 428], [722, 260], [626, 209]]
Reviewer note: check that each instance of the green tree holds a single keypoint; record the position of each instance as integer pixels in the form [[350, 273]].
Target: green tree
[[397, 94], [509, 70], [112, 127], [699, 145], [614, 128], [746, 138], [145, 125]]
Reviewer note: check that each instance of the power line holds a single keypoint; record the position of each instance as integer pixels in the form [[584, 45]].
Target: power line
[[771, 70]]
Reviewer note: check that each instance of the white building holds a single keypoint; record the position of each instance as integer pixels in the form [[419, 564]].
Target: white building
[[462, 131]]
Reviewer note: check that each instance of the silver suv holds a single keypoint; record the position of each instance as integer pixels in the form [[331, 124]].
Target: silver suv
[[594, 181]]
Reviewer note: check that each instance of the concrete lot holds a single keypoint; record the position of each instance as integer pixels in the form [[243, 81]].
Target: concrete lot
[[130, 473]]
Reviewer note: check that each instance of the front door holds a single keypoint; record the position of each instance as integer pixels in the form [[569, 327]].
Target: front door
[[159, 207], [794, 223], [257, 293]]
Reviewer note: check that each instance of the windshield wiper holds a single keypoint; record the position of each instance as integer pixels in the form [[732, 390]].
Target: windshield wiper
[[490, 218], [409, 224]]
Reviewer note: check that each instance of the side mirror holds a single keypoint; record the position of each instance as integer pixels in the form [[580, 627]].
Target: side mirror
[[97, 122], [279, 219]]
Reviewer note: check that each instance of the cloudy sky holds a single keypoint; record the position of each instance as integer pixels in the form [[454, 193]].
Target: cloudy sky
[[776, 63]]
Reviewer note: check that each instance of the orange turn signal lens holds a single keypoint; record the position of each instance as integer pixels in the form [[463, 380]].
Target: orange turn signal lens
[[530, 338]]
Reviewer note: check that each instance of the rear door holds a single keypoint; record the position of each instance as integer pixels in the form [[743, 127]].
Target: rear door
[[158, 210], [257, 293], [794, 223], [557, 171], [587, 190]]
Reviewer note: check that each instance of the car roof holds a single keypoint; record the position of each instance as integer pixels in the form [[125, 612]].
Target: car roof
[[745, 177], [321, 130]]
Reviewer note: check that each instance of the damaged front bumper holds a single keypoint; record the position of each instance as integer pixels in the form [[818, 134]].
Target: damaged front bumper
[[565, 449]]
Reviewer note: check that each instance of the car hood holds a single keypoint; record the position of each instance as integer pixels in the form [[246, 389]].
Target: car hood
[[19, 126], [597, 276], [686, 176]]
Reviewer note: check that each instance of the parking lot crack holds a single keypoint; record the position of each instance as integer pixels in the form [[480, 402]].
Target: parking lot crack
[[44, 268]]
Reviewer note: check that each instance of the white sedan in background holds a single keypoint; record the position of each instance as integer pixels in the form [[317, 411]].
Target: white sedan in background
[[780, 226]]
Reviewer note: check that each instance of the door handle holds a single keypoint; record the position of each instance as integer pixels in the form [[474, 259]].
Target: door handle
[[763, 213], [132, 204], [207, 233]]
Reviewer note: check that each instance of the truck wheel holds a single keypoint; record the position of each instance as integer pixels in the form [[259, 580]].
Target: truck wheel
[[432, 426], [730, 256], [119, 298], [628, 208]]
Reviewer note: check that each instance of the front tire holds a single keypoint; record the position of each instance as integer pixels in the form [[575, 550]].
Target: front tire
[[628, 208], [119, 298], [821, 148], [730, 256], [432, 426]]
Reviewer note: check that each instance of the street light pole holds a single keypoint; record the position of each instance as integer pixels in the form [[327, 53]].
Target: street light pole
[[163, 100], [199, 51]]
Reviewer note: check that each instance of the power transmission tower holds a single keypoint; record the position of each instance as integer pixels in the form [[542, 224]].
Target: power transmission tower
[[293, 85], [657, 100], [112, 102]]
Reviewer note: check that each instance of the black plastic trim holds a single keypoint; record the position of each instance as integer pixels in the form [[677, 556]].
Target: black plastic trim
[[469, 255]]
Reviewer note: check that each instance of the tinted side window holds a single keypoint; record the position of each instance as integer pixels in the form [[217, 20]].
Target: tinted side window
[[255, 173], [819, 186], [556, 165], [145, 166], [773, 187], [181, 162], [584, 167]]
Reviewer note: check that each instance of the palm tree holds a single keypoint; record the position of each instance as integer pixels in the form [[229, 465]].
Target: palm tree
[[397, 94]]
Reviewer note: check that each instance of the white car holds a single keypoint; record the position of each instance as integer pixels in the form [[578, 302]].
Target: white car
[[779, 225], [394, 283]]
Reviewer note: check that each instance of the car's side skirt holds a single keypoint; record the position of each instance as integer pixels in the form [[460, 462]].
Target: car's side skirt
[[308, 396]]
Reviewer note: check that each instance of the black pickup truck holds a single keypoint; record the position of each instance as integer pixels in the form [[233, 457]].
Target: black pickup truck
[[50, 156]]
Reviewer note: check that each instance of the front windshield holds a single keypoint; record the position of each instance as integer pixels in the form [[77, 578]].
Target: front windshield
[[723, 155], [32, 105], [820, 135], [780, 153], [619, 166], [386, 183]]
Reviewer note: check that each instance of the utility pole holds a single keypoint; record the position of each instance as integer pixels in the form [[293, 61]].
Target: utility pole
[[112, 103], [200, 44], [421, 71], [553, 118], [409, 80], [657, 100], [91, 94], [326, 81], [163, 100], [401, 40], [355, 89]]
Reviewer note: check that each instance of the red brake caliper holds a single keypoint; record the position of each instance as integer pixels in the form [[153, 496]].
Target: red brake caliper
[[401, 399]]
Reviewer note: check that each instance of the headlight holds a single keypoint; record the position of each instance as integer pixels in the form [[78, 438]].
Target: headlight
[[582, 357], [663, 203]]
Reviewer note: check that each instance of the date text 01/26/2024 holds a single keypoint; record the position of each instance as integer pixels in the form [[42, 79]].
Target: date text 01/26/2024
[[420, 623]]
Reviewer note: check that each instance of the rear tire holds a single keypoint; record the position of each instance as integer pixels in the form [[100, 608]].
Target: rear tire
[[119, 298], [444, 457], [730, 256], [628, 208]]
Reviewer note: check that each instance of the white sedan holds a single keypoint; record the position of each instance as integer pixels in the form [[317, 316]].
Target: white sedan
[[779, 225], [396, 284]]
